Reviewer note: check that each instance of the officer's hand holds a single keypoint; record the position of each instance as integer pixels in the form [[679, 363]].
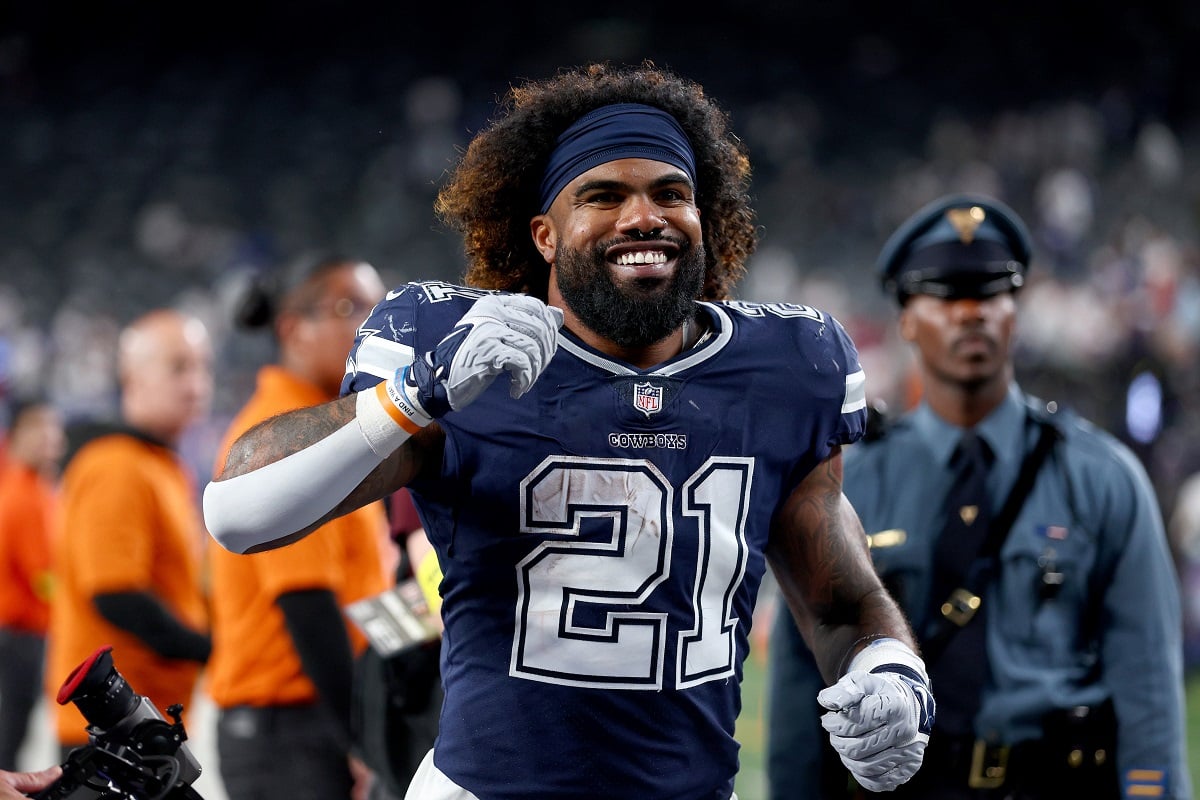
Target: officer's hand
[[879, 723], [510, 333]]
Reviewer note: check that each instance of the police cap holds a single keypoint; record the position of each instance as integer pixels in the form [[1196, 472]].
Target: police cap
[[960, 245]]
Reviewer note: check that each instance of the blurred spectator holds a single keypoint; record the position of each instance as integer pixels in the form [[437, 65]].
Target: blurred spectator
[[283, 652], [1183, 527], [398, 698], [28, 505], [128, 564]]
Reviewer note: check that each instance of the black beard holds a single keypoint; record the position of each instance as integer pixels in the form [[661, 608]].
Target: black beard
[[644, 312]]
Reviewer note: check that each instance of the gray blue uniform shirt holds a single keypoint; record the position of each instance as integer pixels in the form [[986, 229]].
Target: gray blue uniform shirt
[[1111, 629]]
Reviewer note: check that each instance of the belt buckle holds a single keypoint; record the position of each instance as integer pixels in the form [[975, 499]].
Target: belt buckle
[[989, 764], [961, 606]]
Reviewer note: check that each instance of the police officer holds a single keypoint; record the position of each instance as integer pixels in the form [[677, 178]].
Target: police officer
[[1053, 641]]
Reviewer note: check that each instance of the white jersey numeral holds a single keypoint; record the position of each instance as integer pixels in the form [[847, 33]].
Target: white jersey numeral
[[580, 615], [784, 310]]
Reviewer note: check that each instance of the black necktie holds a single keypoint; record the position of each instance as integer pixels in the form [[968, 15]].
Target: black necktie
[[961, 670]]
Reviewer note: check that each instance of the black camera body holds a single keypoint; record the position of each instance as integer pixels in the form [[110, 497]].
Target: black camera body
[[132, 753]]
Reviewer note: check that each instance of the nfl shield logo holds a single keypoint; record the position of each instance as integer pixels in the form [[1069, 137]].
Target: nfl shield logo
[[647, 398]]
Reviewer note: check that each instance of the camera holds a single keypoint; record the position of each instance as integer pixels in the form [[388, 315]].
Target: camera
[[132, 753]]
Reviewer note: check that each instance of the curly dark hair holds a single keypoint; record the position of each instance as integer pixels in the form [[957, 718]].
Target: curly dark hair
[[493, 192]]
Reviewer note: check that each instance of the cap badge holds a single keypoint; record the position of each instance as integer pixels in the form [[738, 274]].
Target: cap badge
[[966, 221]]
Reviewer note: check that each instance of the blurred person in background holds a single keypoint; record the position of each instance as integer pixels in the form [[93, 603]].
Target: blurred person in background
[[1041, 589], [128, 566], [35, 444], [398, 697], [283, 652], [1183, 530]]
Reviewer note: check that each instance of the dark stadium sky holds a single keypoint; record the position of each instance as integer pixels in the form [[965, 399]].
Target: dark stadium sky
[[849, 55]]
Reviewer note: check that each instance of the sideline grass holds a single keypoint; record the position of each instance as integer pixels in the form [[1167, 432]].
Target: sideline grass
[[752, 779], [1193, 728]]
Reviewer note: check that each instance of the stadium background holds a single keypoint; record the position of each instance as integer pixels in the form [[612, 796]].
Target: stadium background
[[161, 153]]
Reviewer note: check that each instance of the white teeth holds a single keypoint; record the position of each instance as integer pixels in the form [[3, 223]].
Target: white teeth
[[643, 257]]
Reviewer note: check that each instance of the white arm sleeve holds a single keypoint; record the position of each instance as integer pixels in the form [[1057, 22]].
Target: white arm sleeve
[[289, 495]]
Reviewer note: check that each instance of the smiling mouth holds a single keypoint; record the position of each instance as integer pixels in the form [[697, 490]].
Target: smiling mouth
[[640, 257]]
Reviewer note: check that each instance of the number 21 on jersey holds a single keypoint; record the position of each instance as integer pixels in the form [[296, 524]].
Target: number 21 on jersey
[[566, 586]]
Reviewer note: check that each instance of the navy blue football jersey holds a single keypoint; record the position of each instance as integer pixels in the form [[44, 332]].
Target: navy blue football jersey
[[602, 542]]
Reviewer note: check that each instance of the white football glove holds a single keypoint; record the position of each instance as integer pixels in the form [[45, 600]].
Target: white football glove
[[880, 715], [502, 332]]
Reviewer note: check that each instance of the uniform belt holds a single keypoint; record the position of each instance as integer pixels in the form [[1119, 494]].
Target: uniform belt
[[986, 770], [974, 763]]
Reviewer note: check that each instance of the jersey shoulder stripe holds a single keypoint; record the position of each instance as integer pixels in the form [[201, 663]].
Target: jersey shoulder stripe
[[809, 337], [411, 319]]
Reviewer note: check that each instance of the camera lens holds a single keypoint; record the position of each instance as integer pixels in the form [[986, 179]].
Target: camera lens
[[99, 691]]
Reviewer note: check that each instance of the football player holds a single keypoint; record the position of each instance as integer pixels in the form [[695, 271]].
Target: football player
[[604, 514]]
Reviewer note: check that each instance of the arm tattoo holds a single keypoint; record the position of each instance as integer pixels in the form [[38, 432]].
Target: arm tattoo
[[819, 555], [284, 434], [817, 551]]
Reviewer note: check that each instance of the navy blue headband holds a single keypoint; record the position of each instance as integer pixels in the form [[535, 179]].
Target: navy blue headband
[[621, 130]]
